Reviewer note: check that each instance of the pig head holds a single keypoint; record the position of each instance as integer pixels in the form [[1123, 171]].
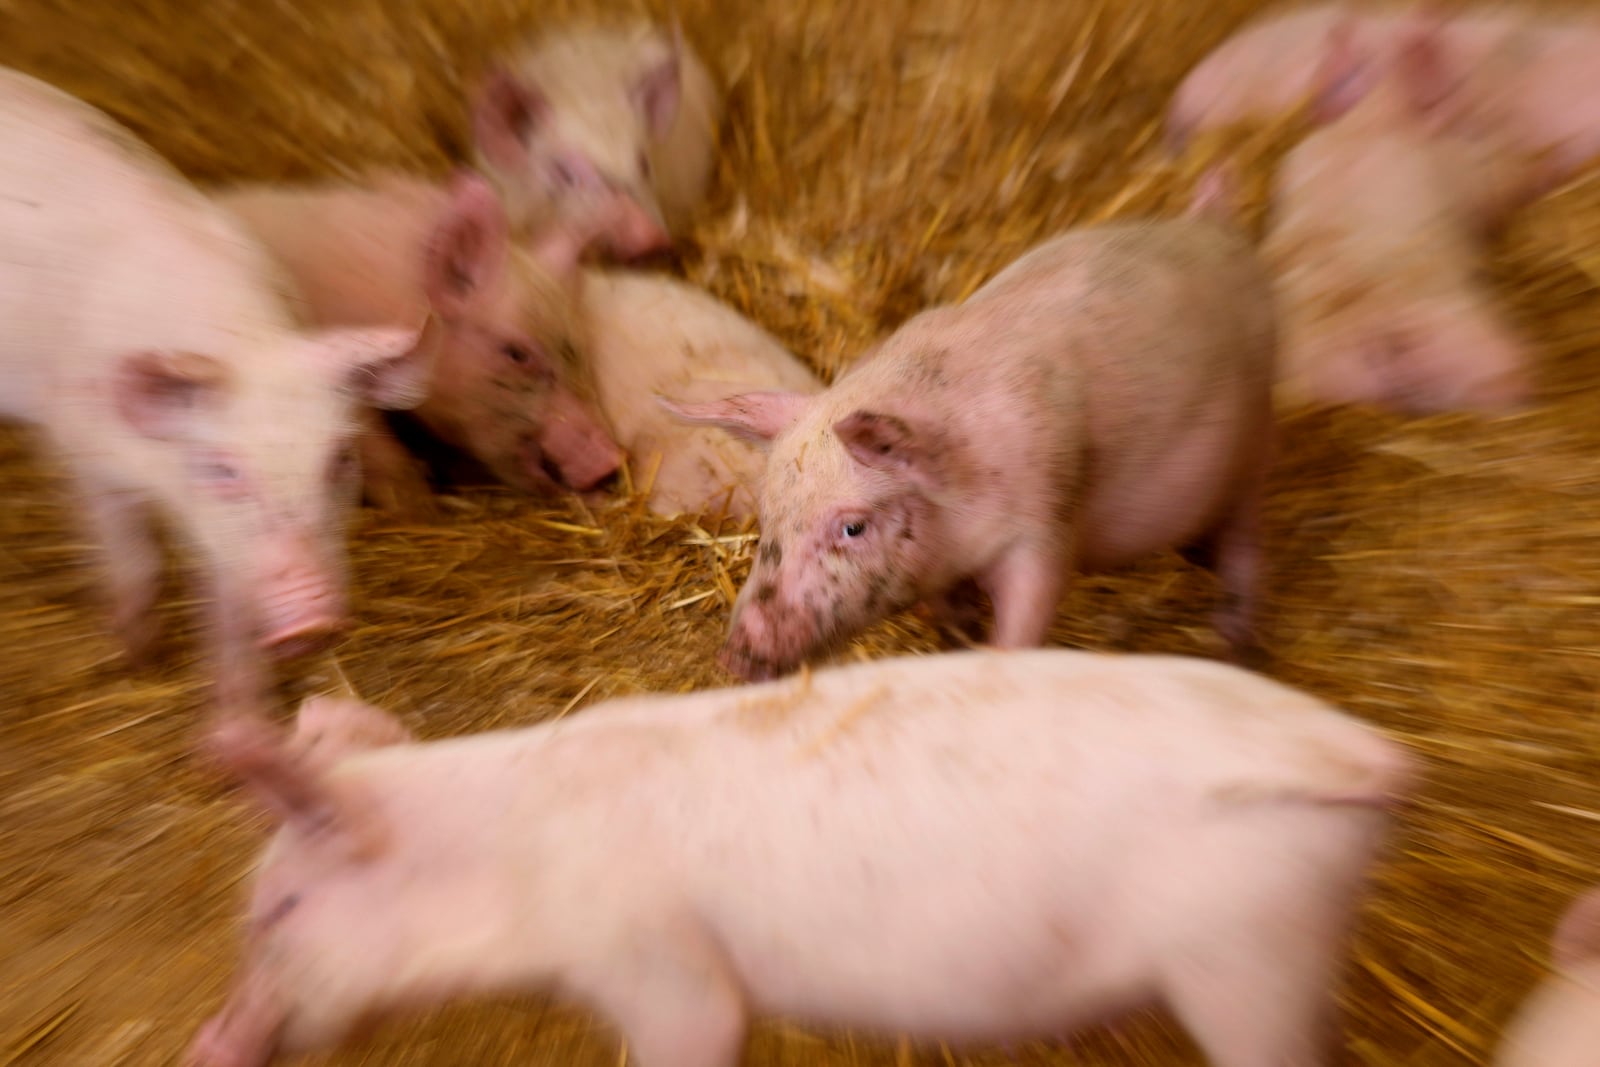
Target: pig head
[[511, 388], [259, 460], [589, 156], [851, 527]]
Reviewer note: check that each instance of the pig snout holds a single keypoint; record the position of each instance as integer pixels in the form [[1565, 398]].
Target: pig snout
[[302, 603], [765, 640], [634, 230], [575, 450]]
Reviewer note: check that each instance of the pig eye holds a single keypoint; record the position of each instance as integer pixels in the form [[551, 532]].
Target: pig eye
[[853, 529], [220, 474], [517, 354], [644, 164]]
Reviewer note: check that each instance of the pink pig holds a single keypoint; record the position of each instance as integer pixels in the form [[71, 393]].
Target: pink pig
[[1377, 238], [1559, 1025], [650, 334], [151, 340], [1105, 397], [509, 389], [617, 120], [1271, 64], [976, 847]]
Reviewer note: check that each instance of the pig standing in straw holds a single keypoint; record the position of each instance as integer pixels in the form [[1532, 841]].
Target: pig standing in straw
[[1106, 396], [976, 848], [619, 121], [650, 334], [509, 389], [152, 341], [1377, 239], [1559, 1026]]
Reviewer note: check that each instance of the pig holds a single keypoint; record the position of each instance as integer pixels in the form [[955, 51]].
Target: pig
[[650, 334], [153, 343], [973, 847], [1270, 65], [510, 388], [617, 119], [1559, 1025], [968, 446], [1376, 238]]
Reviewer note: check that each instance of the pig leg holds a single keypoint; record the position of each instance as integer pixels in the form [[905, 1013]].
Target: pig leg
[[1233, 553], [676, 1002], [1025, 587], [239, 673], [119, 523], [391, 477], [245, 1032]]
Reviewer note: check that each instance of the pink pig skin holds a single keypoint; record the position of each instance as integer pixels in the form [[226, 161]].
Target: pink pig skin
[[1105, 397], [650, 334], [618, 121], [976, 847], [1269, 66], [509, 388], [152, 341], [1559, 1025], [1377, 240]]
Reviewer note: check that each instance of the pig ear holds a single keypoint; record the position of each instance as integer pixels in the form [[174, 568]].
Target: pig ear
[[756, 417], [466, 257], [159, 393], [889, 443], [507, 113], [385, 368], [1577, 936], [288, 787], [658, 89], [1344, 76]]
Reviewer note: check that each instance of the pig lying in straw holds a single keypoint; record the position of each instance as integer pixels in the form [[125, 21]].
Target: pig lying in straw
[[509, 388], [650, 334], [1271, 65], [1559, 1026], [1106, 396], [620, 120], [150, 338], [1377, 240], [976, 847]]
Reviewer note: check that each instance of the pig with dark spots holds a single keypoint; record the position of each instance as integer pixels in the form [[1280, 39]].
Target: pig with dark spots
[[153, 342], [1559, 1025], [1377, 237], [650, 334], [1108, 396], [973, 848], [617, 122], [510, 389]]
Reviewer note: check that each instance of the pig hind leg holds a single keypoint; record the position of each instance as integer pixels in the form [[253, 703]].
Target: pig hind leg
[[1232, 551], [120, 524]]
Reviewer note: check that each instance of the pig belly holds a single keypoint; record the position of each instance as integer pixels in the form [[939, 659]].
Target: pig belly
[[1170, 501]]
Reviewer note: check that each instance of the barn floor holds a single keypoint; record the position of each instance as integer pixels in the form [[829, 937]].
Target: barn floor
[[1438, 577]]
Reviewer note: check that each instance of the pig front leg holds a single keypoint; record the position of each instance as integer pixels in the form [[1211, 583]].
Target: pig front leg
[[1233, 553], [245, 1032], [1025, 587], [119, 524], [392, 478], [239, 675]]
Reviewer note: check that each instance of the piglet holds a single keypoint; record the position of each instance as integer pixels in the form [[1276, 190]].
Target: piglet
[[510, 388], [1377, 238], [620, 120], [650, 334], [1559, 1025], [1106, 396], [1270, 65], [152, 340], [976, 847]]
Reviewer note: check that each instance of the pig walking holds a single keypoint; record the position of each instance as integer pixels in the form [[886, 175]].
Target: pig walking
[[509, 389], [619, 120], [976, 847], [1106, 396], [1559, 1026], [151, 340], [1377, 240], [650, 334]]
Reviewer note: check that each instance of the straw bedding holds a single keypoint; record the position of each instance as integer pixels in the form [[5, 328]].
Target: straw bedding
[[1438, 577]]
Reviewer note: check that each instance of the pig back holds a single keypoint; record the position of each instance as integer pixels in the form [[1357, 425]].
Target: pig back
[[1173, 327]]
